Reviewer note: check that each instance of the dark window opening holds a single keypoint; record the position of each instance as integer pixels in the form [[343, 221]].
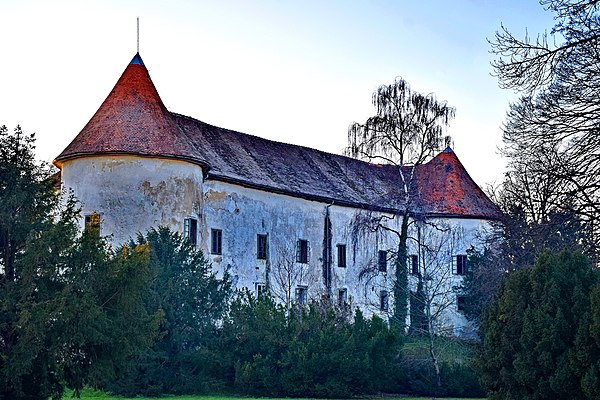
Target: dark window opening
[[260, 289], [414, 264], [460, 303], [190, 230], [301, 295], [302, 251], [382, 261], [261, 247], [461, 265], [216, 241], [383, 300], [92, 222], [342, 297], [341, 255]]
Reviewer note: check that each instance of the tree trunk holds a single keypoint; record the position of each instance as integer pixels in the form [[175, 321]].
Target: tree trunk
[[398, 320]]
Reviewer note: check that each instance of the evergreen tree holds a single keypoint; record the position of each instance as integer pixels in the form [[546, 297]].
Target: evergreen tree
[[539, 336], [69, 310]]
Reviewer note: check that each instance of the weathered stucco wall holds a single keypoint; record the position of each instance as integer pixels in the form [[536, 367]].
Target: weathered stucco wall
[[241, 213], [133, 194]]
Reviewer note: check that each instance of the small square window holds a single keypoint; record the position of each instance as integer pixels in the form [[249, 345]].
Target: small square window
[[341, 255], [414, 264], [92, 222], [260, 289], [216, 241], [461, 265], [382, 261], [301, 295], [190, 230], [302, 251], [261, 247], [342, 297], [383, 300]]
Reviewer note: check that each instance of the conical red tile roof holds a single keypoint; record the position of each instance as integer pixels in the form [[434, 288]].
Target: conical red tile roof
[[132, 120], [445, 187]]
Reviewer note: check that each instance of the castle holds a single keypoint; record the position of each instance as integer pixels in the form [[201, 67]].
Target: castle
[[278, 217]]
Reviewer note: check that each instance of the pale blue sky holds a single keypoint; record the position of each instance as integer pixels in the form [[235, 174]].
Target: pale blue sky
[[291, 71]]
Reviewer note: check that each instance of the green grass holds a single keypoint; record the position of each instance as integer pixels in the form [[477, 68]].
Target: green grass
[[89, 394]]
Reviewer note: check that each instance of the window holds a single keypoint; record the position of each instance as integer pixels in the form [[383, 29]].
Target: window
[[382, 261], [383, 300], [301, 295], [460, 267], [342, 297], [216, 241], [190, 230], [260, 289], [414, 264], [341, 255], [261, 247], [92, 222], [460, 303], [302, 251]]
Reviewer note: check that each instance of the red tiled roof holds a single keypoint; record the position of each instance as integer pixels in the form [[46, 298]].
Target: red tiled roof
[[133, 120]]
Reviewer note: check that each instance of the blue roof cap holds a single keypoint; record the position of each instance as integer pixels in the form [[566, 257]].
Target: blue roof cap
[[448, 150], [137, 59]]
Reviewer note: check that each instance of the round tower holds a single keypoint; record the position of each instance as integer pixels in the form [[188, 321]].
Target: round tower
[[131, 167]]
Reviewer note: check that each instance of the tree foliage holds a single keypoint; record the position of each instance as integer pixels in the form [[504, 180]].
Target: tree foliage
[[313, 351], [191, 303], [540, 341], [69, 309]]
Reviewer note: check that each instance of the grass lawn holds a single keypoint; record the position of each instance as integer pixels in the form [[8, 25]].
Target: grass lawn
[[96, 395]]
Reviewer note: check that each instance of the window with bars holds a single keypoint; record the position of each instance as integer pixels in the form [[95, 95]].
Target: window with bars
[[382, 261], [190, 230], [302, 251], [261, 246], [341, 255], [216, 241]]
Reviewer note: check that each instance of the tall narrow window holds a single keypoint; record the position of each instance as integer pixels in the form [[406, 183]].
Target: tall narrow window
[[382, 261], [301, 295], [460, 267], [92, 222], [342, 297], [261, 247], [460, 303], [341, 255], [413, 260], [216, 241], [383, 300], [302, 251], [190, 230]]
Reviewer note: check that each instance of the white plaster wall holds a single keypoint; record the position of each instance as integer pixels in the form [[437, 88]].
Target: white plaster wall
[[242, 213], [133, 194]]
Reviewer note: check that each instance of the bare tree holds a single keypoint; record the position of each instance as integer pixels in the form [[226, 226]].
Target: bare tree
[[406, 131], [287, 275], [436, 281], [550, 136]]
